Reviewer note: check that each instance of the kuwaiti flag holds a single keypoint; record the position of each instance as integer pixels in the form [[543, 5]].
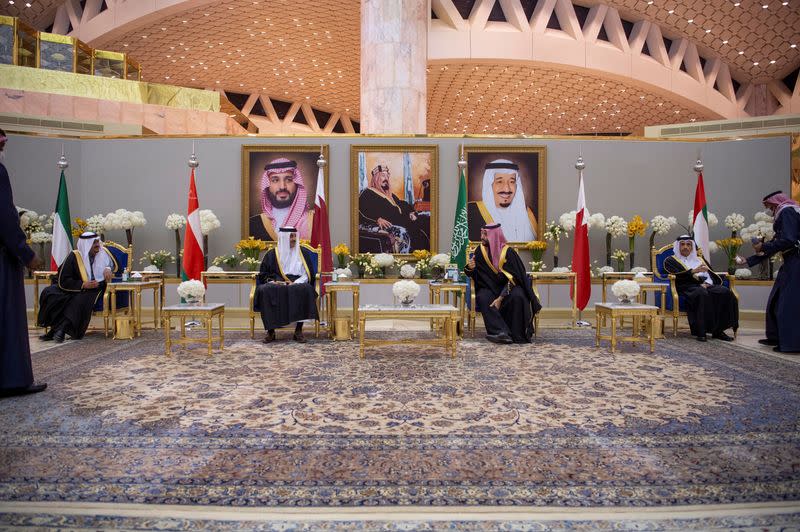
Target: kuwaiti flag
[[192, 248], [62, 227], [320, 232], [700, 218], [580, 251]]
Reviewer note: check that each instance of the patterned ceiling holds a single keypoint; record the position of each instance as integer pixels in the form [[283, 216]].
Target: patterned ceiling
[[309, 50], [494, 99]]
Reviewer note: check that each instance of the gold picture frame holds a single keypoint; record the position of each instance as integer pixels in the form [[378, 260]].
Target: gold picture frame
[[417, 165], [254, 158], [532, 159]]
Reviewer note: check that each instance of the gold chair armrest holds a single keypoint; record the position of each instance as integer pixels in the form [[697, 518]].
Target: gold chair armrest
[[674, 290]]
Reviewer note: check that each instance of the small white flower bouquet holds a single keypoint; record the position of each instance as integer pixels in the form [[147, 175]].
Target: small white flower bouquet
[[208, 221], [175, 221], [192, 290], [561, 269], [214, 269], [405, 291], [743, 273], [734, 221], [408, 271], [152, 268], [440, 260], [383, 260], [625, 290], [343, 273]]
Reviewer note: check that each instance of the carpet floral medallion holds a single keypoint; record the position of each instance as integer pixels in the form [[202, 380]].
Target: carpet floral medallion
[[556, 423]]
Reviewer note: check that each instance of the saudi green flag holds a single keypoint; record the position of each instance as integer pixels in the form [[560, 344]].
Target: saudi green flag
[[458, 249]]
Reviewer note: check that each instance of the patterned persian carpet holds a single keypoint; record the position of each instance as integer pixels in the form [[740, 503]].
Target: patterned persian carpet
[[556, 423]]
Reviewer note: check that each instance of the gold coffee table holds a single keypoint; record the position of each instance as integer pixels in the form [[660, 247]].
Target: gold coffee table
[[447, 315], [635, 311], [205, 312]]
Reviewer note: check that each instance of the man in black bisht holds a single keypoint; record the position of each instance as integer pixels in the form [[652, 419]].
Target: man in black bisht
[[287, 291], [710, 306], [16, 373], [66, 305], [503, 292]]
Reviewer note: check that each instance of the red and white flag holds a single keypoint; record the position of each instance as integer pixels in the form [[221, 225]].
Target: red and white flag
[[580, 251], [700, 217], [192, 247], [320, 231]]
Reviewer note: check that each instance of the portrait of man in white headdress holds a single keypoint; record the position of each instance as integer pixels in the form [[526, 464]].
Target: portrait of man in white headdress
[[504, 188]]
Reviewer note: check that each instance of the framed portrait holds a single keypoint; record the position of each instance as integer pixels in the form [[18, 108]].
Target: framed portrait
[[279, 184], [507, 185], [394, 198]]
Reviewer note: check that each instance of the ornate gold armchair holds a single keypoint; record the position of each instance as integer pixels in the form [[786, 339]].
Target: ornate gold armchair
[[256, 312]]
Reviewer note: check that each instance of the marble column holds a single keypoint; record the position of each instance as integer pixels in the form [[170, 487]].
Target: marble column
[[394, 49]]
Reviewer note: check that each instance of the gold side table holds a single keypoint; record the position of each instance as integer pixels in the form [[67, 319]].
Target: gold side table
[[135, 289], [655, 288], [206, 312], [332, 290], [459, 292], [549, 278], [636, 312], [447, 315]]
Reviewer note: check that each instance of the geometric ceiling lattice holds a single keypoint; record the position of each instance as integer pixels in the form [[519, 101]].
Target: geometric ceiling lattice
[[474, 98]]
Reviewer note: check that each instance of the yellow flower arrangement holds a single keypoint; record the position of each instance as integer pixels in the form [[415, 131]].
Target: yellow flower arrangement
[[78, 227], [636, 226], [537, 248], [731, 248], [251, 247], [341, 251], [420, 254]]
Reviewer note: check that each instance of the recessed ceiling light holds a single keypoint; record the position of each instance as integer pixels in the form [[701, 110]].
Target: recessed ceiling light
[[708, 31], [772, 62], [793, 46], [765, 6], [741, 53], [671, 11], [725, 42], [755, 63], [690, 20]]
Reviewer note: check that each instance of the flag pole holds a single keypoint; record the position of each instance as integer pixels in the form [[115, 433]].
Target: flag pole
[[579, 166], [193, 163]]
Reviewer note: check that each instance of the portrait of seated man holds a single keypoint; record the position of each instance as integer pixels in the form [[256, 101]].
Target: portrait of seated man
[[710, 307], [284, 201], [382, 213], [502, 201], [66, 305], [503, 293], [286, 291]]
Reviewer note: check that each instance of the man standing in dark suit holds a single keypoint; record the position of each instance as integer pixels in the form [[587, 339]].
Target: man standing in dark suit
[[16, 373]]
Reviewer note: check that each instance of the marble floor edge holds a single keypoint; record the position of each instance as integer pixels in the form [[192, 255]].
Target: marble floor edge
[[454, 513]]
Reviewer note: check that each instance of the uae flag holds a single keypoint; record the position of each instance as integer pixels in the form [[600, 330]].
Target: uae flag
[[458, 247], [320, 232], [192, 249], [580, 251], [700, 218], [62, 227]]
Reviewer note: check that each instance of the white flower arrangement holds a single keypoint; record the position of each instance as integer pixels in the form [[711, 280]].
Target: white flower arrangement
[[764, 216], [638, 269], [760, 229], [440, 259], [123, 219], [343, 272], [40, 237], [616, 226], [567, 220], [561, 269], [734, 221], [712, 219], [208, 221], [96, 223], [713, 247], [153, 268], [175, 221], [383, 260], [537, 265], [597, 221], [742, 273], [405, 290], [26, 217], [214, 269], [625, 289], [407, 271], [662, 224], [192, 289], [605, 269]]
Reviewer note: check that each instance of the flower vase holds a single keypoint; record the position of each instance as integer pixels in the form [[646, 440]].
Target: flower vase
[[625, 300], [362, 272], [620, 265], [407, 301], [177, 253], [195, 301], [731, 265]]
